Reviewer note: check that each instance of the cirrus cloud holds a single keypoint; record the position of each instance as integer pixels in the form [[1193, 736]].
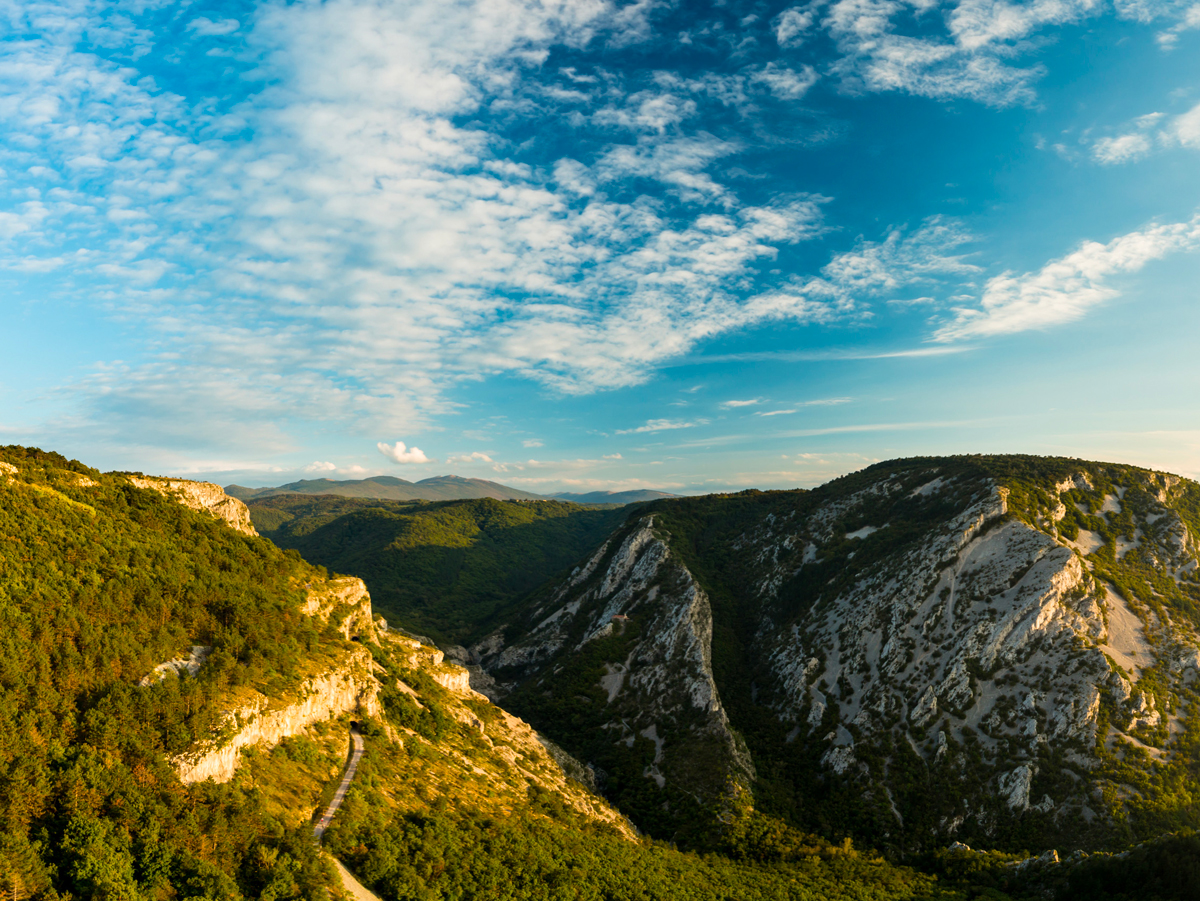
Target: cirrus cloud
[[1067, 288], [662, 425]]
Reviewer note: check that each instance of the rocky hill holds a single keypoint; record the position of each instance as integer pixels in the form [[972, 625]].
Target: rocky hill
[[1000, 650], [176, 694]]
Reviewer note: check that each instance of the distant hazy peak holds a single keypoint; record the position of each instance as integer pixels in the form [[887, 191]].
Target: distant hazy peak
[[613, 497], [435, 488]]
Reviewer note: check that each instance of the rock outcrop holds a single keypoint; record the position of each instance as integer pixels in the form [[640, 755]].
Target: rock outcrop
[[203, 496], [350, 688], [346, 600], [657, 686]]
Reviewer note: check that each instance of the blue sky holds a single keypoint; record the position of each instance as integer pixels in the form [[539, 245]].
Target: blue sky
[[579, 245]]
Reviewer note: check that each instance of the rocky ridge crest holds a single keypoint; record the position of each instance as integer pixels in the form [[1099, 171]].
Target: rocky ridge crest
[[202, 496], [966, 651]]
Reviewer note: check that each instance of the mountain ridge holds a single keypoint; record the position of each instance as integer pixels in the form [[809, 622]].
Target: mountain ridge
[[632, 496], [890, 631], [435, 488]]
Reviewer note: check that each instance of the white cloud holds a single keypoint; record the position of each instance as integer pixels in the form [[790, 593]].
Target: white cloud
[[1188, 21], [205, 27], [1185, 129], [785, 83], [728, 404], [398, 453], [823, 402], [612, 457], [1067, 288], [325, 468], [532, 442], [343, 220], [901, 258], [474, 457], [661, 425], [792, 26], [1150, 131], [1121, 149], [826, 401], [973, 59]]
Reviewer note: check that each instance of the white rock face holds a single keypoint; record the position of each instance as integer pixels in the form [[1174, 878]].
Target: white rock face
[[180, 665], [325, 598], [667, 675], [453, 678], [989, 629], [348, 689], [202, 496], [928, 610]]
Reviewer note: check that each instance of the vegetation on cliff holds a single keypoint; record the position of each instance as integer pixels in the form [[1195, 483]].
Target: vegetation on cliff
[[100, 581], [898, 792]]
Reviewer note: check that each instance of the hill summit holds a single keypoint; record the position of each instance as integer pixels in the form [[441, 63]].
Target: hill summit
[[437, 488]]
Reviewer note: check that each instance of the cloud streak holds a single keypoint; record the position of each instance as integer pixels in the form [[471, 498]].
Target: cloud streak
[[1067, 288], [662, 425]]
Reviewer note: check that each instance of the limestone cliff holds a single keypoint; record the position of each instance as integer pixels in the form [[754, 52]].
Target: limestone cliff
[[636, 605], [993, 640], [202, 496], [346, 599], [950, 647], [349, 688]]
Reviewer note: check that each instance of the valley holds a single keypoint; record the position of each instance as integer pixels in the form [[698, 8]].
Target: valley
[[835, 693]]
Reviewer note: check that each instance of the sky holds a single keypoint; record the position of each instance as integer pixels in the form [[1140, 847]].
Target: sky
[[576, 245]]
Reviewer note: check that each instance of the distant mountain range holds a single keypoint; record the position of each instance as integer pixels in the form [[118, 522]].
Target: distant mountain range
[[612, 497], [390, 488], [438, 488]]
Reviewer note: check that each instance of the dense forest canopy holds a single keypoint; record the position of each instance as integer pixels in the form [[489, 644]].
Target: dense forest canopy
[[445, 569]]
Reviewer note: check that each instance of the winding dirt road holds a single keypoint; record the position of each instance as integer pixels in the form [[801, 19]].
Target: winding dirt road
[[340, 794], [356, 889]]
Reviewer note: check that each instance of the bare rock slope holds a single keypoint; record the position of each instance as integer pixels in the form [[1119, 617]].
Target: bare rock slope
[[1002, 648]]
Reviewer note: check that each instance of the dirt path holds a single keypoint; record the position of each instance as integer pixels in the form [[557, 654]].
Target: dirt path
[[356, 889], [340, 794]]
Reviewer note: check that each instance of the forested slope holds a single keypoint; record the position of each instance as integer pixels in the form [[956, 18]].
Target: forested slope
[[131, 627], [444, 569], [101, 581]]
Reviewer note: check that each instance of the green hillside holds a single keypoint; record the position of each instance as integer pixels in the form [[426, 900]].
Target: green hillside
[[443, 569], [100, 581]]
